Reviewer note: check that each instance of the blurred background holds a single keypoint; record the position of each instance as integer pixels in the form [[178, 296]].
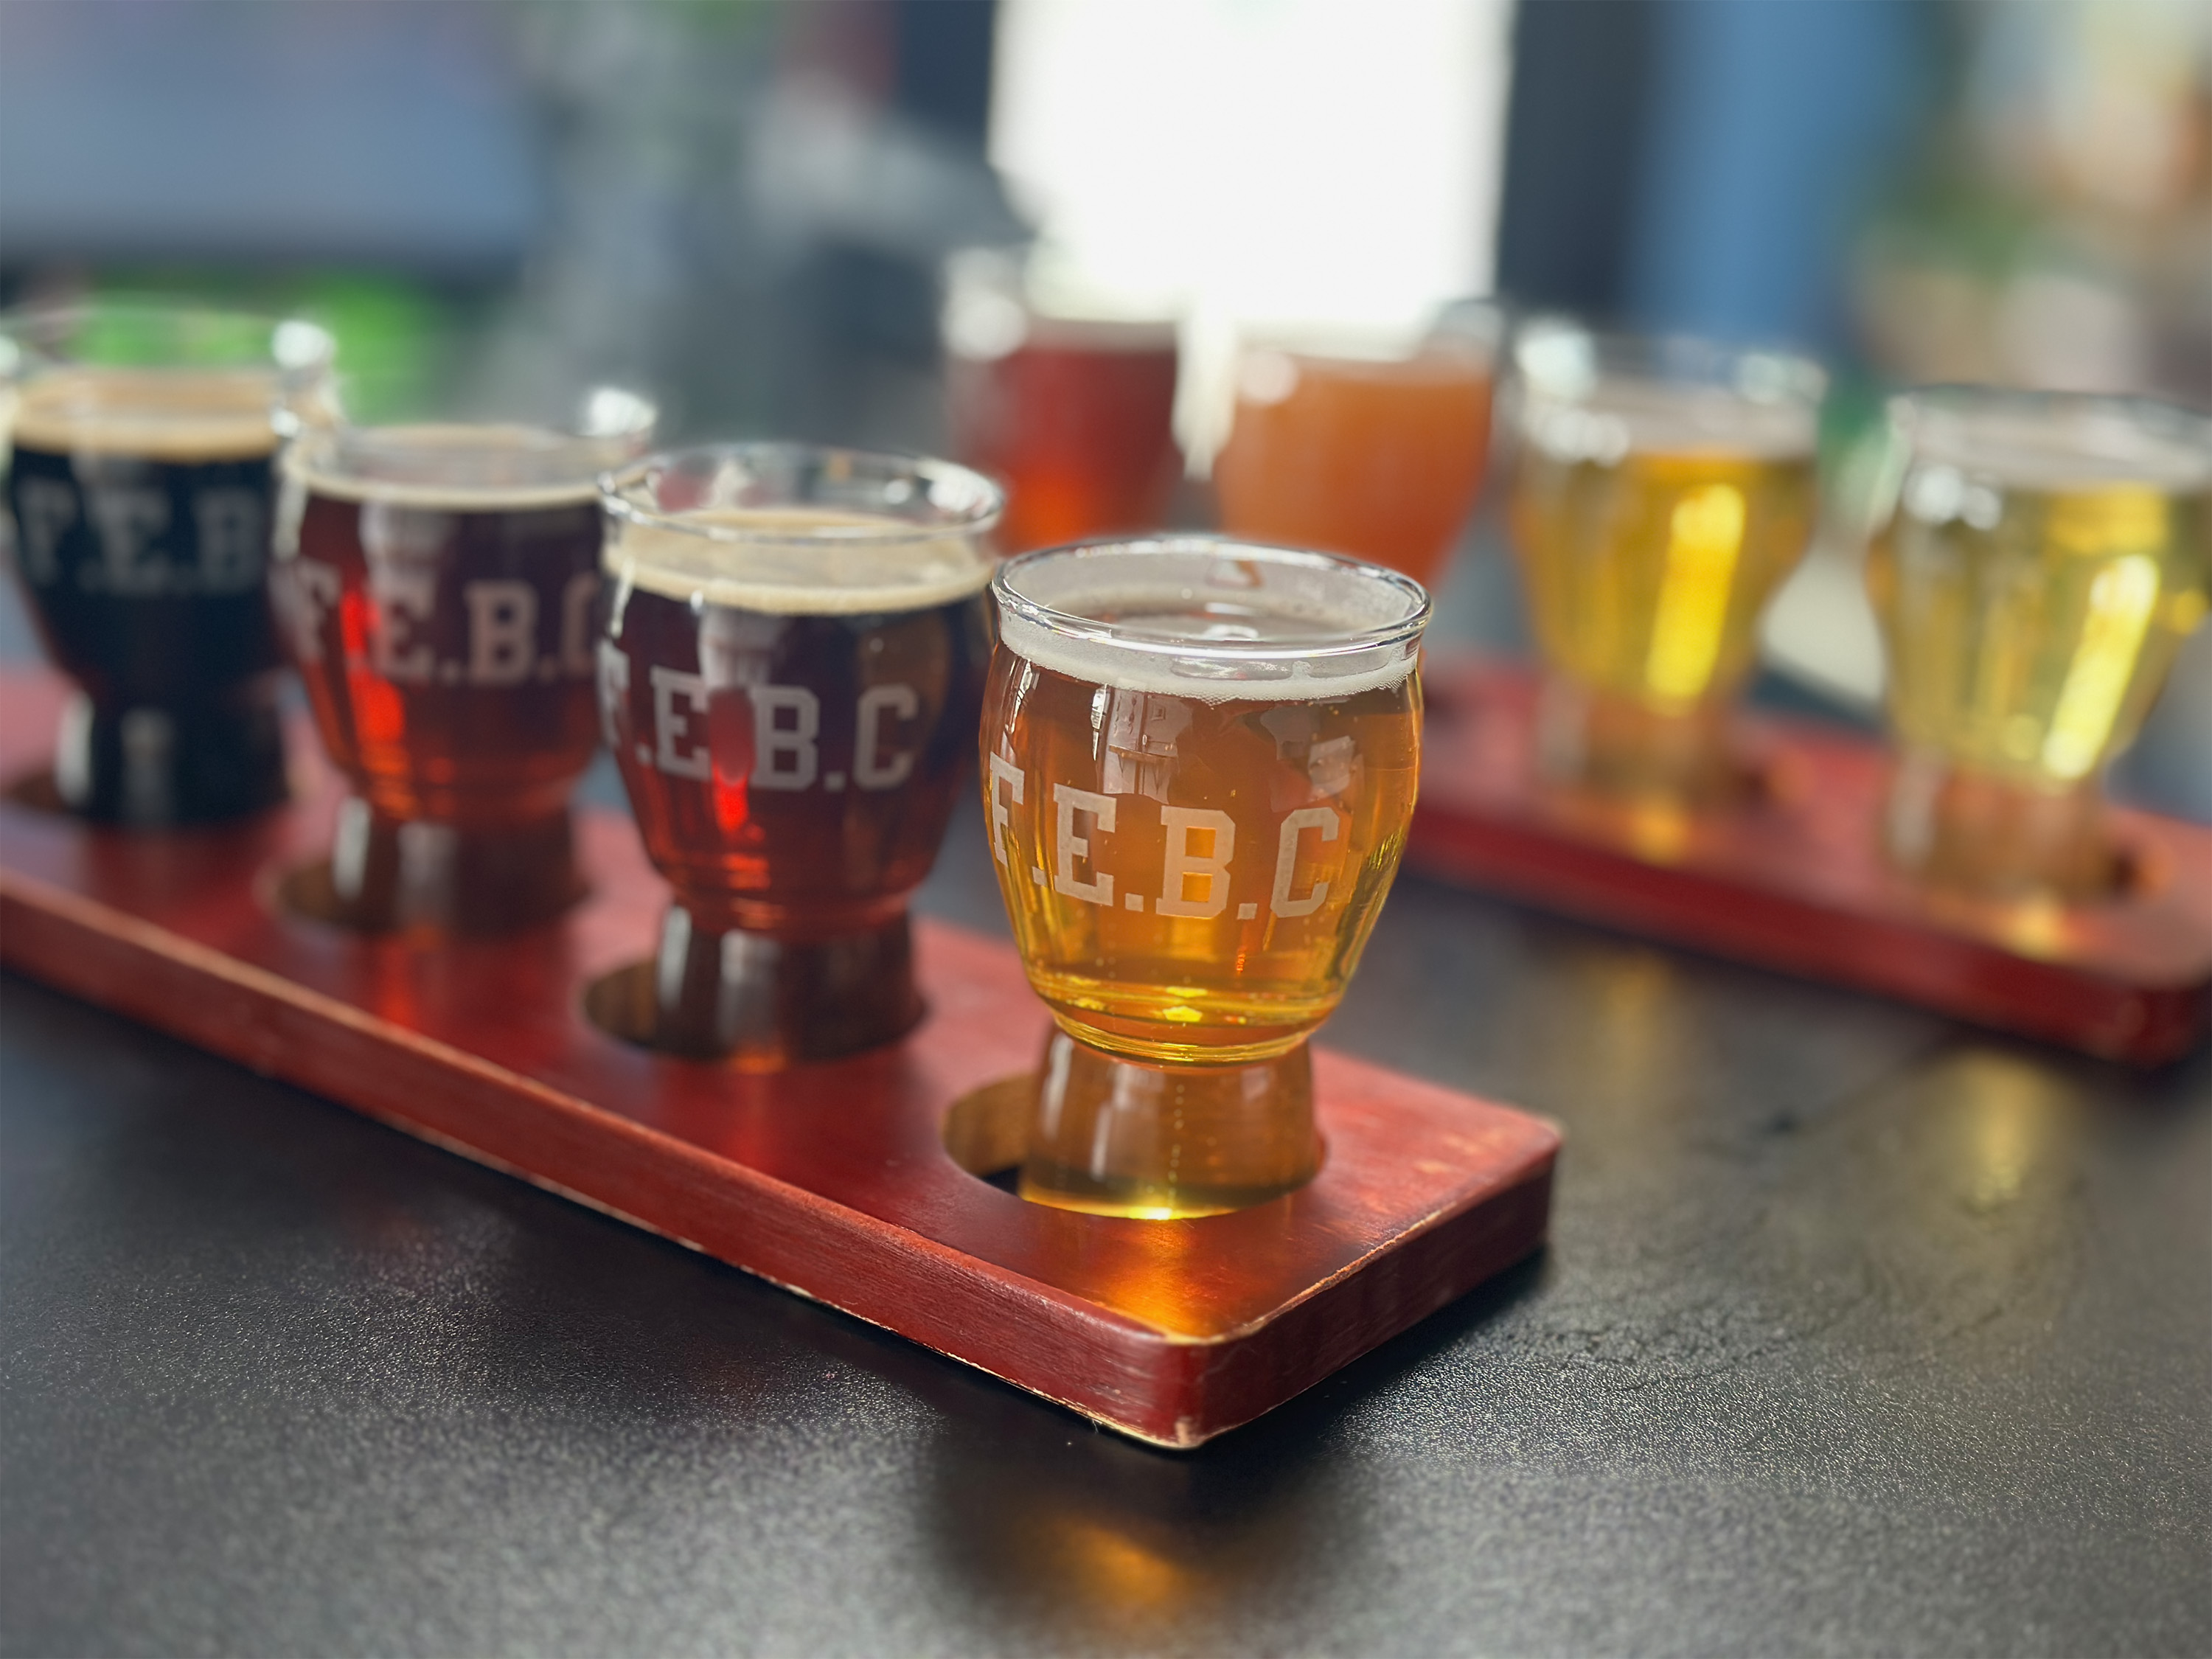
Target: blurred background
[[746, 205]]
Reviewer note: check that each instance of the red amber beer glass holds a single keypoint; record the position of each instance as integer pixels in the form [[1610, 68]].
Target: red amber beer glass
[[1374, 448], [793, 661], [441, 583], [1200, 759], [2047, 556], [1070, 406], [141, 491]]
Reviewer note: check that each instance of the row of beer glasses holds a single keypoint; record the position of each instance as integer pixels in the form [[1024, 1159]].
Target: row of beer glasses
[[2038, 561], [1199, 755]]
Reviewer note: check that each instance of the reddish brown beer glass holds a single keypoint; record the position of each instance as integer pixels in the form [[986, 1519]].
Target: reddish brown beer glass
[[1068, 400], [441, 584], [790, 676]]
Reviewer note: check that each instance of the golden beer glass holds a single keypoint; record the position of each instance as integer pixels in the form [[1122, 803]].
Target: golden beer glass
[[1199, 758], [2045, 556], [1664, 488]]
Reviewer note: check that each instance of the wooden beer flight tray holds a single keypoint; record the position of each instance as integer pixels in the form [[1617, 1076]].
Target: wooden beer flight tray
[[834, 1181], [1795, 880]]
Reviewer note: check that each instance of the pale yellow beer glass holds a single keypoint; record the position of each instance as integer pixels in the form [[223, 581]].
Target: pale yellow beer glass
[[1198, 762], [2045, 556], [1664, 489]]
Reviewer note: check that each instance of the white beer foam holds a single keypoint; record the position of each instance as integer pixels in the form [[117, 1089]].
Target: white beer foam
[[796, 561], [1157, 602], [181, 415], [1618, 417], [2040, 448], [452, 468]]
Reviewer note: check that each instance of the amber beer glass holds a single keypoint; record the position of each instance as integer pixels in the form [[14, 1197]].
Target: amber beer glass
[[1070, 403], [1370, 447], [141, 496], [1199, 758], [1664, 489], [440, 582], [791, 664], [2047, 556]]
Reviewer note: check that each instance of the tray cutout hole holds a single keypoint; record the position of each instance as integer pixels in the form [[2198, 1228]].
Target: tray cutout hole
[[985, 1131]]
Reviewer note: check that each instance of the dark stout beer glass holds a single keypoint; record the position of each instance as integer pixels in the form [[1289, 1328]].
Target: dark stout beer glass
[[140, 496], [793, 660], [440, 582]]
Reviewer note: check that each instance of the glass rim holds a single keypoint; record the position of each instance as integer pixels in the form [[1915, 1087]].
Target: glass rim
[[1968, 397], [618, 489], [1067, 624], [1779, 373], [1474, 324], [612, 425], [37, 336]]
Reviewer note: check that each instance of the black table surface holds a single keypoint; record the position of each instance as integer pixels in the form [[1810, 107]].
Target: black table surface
[[1860, 1332]]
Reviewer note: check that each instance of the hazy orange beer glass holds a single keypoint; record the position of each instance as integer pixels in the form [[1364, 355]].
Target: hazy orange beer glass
[[141, 492], [1374, 449], [441, 581], [794, 655], [1069, 404], [1199, 758], [2047, 556], [1663, 490]]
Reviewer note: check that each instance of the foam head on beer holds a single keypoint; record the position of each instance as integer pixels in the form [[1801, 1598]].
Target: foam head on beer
[[1200, 758]]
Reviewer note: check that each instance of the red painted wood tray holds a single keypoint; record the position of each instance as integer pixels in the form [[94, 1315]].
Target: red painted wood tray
[[1795, 880], [833, 1180]]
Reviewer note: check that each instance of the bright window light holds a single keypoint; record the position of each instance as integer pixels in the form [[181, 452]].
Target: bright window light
[[1263, 162]]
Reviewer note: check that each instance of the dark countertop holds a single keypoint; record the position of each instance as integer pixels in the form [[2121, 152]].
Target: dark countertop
[[1861, 1332]]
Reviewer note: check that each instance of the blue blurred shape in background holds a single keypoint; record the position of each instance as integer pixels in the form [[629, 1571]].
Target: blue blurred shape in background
[[189, 129], [1776, 122]]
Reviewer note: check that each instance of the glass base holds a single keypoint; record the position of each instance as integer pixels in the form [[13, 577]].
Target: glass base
[[388, 876], [1618, 748], [716, 993], [154, 768], [1994, 838], [1121, 1137]]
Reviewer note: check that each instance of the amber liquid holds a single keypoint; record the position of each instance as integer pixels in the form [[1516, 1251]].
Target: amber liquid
[[1381, 460], [447, 653], [2028, 629], [1075, 423], [1191, 882], [1247, 969], [793, 825]]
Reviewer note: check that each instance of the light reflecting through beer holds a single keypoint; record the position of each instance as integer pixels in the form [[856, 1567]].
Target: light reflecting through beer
[[1199, 760], [2044, 560], [1662, 493]]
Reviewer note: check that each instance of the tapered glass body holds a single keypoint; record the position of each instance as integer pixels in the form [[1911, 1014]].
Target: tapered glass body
[[1200, 759]]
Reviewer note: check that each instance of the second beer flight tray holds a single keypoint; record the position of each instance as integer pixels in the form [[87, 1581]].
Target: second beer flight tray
[[1794, 879], [856, 1183]]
